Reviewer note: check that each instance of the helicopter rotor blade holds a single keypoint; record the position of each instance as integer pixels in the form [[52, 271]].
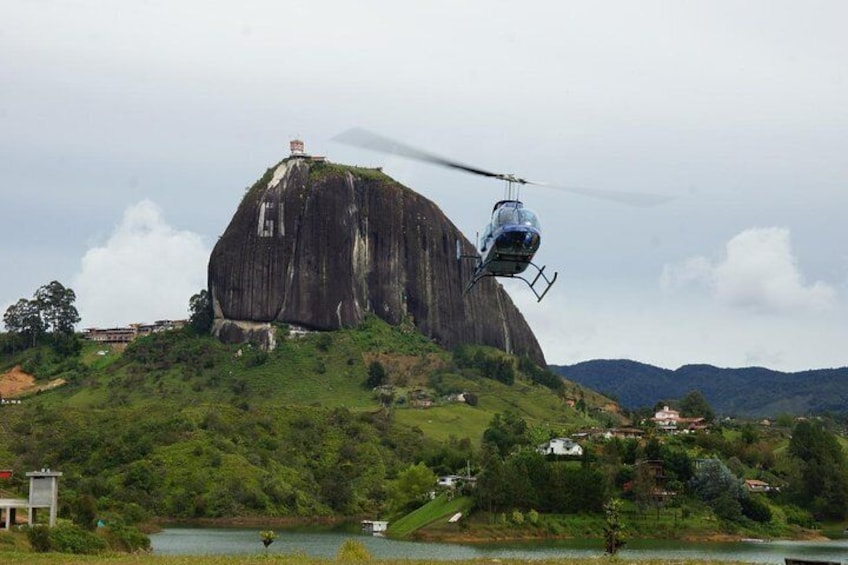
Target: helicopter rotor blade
[[359, 137], [642, 199]]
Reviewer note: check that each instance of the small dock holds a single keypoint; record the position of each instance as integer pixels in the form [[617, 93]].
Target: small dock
[[375, 527]]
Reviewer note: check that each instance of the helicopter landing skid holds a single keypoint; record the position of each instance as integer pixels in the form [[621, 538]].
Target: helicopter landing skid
[[481, 271]]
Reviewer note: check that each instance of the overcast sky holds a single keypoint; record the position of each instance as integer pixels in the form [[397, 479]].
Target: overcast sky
[[129, 131]]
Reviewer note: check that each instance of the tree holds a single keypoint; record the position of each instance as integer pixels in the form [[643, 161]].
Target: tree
[[716, 485], [526, 477], [506, 431], [267, 537], [713, 478], [411, 488], [84, 511], [749, 434], [202, 315], [644, 485], [823, 487], [614, 538], [490, 491], [56, 304], [376, 375], [694, 405], [24, 319]]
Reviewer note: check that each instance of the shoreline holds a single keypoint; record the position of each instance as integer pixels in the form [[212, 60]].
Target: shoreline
[[459, 537]]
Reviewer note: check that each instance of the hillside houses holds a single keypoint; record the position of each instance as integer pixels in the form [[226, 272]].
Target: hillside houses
[[126, 334]]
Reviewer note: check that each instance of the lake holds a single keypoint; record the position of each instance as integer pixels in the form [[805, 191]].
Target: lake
[[229, 541]]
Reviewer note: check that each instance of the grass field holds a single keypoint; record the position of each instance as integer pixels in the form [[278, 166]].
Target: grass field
[[272, 559]]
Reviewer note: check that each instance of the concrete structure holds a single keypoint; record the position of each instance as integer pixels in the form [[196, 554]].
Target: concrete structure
[[43, 494], [298, 151], [8, 510]]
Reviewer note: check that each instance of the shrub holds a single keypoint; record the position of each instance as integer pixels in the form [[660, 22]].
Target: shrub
[[352, 550], [324, 341], [756, 509], [39, 538], [799, 516], [517, 517], [69, 538], [126, 538], [256, 358]]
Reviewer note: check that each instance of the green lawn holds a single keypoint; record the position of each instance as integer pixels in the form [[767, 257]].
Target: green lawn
[[439, 509]]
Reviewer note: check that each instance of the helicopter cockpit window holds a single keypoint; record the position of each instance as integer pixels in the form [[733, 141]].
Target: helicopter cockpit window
[[528, 218], [506, 215]]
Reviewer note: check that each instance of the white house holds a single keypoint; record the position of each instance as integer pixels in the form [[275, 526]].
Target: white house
[[560, 446], [670, 421], [667, 419]]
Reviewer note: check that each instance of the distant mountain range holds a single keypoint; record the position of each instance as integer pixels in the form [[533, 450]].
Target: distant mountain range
[[747, 392]]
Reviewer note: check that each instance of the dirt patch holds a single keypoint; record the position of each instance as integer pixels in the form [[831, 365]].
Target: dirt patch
[[15, 382], [408, 370]]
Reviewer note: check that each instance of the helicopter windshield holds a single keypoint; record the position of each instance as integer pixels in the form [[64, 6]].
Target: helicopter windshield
[[513, 213], [528, 218]]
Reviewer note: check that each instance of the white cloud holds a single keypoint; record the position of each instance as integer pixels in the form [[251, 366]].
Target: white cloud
[[146, 271], [757, 271]]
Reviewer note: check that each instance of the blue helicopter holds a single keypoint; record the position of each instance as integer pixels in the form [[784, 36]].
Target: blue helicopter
[[513, 235]]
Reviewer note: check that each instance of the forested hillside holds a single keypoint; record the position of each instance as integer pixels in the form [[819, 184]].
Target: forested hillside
[[748, 392], [183, 426], [359, 423]]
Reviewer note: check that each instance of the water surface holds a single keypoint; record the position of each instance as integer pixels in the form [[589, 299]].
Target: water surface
[[230, 541]]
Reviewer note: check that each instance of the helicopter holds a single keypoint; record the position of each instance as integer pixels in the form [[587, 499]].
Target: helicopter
[[513, 235]]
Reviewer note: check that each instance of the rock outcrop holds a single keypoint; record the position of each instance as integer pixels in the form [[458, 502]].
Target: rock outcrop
[[320, 245]]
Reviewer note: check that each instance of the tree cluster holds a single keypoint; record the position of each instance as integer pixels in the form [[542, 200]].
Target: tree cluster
[[50, 311], [493, 366], [516, 476], [822, 481], [525, 480], [538, 375]]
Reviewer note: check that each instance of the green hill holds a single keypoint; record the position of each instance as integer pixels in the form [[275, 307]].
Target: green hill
[[182, 426]]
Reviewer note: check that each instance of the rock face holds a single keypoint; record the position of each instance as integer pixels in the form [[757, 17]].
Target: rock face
[[320, 245]]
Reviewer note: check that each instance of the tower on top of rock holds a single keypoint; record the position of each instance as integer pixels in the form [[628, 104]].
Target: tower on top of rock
[[298, 152]]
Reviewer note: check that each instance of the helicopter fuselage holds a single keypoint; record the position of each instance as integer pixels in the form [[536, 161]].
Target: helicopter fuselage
[[510, 240], [507, 248]]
